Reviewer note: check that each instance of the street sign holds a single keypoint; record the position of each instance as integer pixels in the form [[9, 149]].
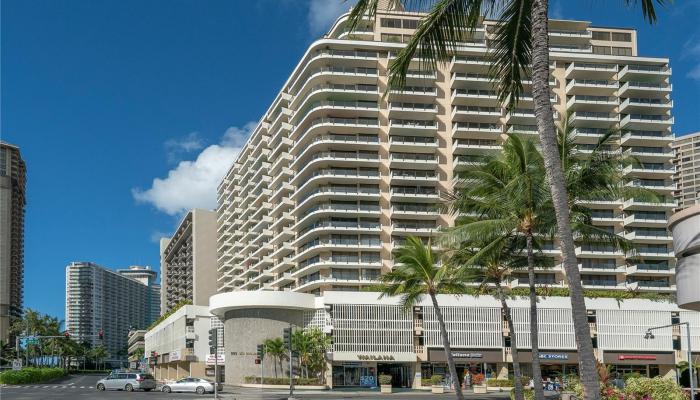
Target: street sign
[[16, 365]]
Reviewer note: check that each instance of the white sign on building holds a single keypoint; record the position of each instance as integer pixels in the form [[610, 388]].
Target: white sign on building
[[175, 355], [211, 359]]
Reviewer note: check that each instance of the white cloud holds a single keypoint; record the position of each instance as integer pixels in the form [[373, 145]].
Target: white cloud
[[192, 184], [322, 13], [695, 73], [177, 147]]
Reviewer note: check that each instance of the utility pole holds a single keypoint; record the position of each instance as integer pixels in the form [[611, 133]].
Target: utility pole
[[214, 348], [691, 370], [288, 342]]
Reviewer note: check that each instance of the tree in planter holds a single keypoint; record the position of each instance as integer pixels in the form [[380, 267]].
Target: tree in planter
[[419, 273], [275, 349], [521, 44], [311, 345]]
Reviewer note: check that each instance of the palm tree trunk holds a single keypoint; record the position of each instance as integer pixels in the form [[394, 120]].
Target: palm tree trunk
[[448, 349], [519, 394], [545, 127], [534, 329]]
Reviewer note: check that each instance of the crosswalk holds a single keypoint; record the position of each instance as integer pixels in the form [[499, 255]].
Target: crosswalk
[[52, 387]]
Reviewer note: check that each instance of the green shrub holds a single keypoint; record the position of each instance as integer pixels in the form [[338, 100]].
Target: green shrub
[[529, 394], [425, 382], [631, 375], [30, 375], [436, 380], [500, 382], [385, 379], [656, 388]]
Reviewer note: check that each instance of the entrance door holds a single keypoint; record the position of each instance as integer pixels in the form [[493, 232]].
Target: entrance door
[[400, 374]]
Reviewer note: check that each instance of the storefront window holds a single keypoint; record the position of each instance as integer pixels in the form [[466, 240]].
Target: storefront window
[[354, 375]]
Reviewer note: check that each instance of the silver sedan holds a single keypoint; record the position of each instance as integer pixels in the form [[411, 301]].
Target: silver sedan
[[197, 385]]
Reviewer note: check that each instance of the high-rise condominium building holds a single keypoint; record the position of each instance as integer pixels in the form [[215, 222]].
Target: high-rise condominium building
[[188, 261], [99, 299], [687, 177], [13, 177], [335, 175], [146, 276]]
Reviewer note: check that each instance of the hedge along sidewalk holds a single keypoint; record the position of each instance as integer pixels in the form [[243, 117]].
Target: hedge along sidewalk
[[31, 375]]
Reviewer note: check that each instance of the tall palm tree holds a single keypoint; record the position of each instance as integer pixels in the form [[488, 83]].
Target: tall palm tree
[[99, 354], [490, 265], [506, 197], [521, 44], [419, 273], [275, 348]]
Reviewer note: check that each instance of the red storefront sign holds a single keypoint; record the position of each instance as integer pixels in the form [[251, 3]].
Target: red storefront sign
[[636, 357]]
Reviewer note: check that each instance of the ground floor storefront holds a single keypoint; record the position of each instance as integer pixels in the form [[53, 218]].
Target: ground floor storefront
[[175, 370]]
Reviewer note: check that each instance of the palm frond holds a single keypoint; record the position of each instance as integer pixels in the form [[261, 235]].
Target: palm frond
[[437, 36], [512, 50]]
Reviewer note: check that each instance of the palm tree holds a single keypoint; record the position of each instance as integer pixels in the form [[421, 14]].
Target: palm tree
[[490, 265], [507, 199], [303, 346], [99, 354], [521, 43], [275, 348], [419, 273]]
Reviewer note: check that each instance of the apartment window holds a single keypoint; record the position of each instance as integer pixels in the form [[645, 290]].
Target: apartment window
[[605, 50], [410, 23], [621, 37], [391, 23], [621, 51], [597, 35], [392, 38]]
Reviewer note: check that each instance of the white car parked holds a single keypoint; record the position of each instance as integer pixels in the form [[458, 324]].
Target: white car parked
[[197, 385]]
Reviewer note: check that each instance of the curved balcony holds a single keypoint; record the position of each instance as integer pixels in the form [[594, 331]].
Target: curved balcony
[[685, 226], [342, 109], [340, 125], [357, 91], [338, 74]]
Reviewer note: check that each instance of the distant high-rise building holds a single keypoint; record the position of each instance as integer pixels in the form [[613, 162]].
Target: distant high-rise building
[[13, 178], [188, 261], [146, 276], [114, 302], [687, 176]]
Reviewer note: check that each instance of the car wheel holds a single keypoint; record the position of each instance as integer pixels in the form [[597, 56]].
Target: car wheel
[[166, 389], [100, 387], [129, 388], [200, 390]]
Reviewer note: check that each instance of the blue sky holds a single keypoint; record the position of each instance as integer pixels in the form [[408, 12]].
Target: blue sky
[[127, 112]]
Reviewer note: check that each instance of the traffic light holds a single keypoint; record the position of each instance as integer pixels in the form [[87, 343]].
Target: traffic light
[[66, 334], [213, 340], [101, 334], [288, 337], [261, 351]]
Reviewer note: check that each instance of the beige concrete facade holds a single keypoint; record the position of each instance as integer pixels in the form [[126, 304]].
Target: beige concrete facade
[[687, 177], [188, 261], [336, 175], [13, 177]]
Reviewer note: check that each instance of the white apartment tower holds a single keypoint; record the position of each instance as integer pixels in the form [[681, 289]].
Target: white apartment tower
[[100, 299], [687, 177], [335, 175]]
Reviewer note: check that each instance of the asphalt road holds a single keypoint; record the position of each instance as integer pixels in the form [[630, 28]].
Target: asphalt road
[[82, 387]]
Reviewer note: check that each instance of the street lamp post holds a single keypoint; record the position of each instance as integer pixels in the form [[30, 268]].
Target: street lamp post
[[691, 370]]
